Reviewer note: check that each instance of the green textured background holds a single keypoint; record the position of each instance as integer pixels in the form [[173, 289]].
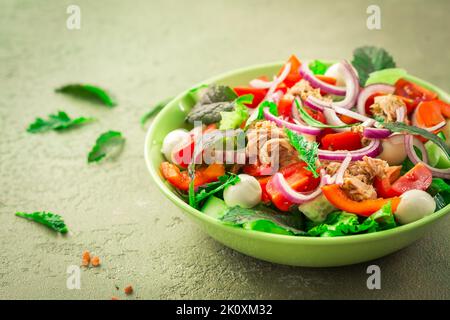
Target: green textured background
[[144, 51]]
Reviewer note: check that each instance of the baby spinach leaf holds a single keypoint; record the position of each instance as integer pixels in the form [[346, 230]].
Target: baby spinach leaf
[[368, 59], [88, 92], [105, 142], [51, 220], [57, 122]]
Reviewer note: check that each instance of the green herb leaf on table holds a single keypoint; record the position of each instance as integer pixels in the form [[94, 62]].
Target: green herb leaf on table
[[402, 127], [261, 218], [368, 59], [51, 220], [307, 151], [104, 143], [155, 110], [89, 92], [58, 122]]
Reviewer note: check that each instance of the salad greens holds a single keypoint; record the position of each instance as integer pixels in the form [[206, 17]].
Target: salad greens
[[106, 141], [368, 59], [51, 220], [58, 122], [440, 190], [318, 67], [89, 92], [307, 151], [388, 76], [233, 119], [213, 188], [262, 218]]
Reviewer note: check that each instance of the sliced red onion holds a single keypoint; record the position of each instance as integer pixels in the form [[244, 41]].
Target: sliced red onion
[[339, 176], [372, 150], [368, 123], [376, 133], [292, 126], [436, 127], [400, 114], [351, 114], [317, 83], [410, 142], [278, 80], [352, 90], [370, 90], [297, 197], [260, 84], [332, 119]]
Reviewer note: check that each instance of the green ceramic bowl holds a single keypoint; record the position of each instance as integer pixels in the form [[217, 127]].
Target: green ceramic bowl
[[289, 250]]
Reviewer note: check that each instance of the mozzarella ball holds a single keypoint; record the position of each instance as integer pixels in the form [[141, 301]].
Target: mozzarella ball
[[334, 71], [246, 193], [172, 139], [414, 205], [394, 151]]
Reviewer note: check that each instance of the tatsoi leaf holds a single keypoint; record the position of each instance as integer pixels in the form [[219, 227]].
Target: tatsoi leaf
[[307, 151], [368, 59], [215, 187], [268, 220], [315, 123], [106, 141], [402, 127], [318, 67], [51, 220], [155, 110], [89, 92], [59, 121]]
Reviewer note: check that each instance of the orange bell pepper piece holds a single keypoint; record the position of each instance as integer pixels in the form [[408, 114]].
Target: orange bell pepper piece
[[180, 179], [340, 200]]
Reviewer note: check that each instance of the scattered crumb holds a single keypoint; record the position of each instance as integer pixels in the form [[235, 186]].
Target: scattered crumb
[[85, 258], [95, 261], [128, 289], [114, 298]]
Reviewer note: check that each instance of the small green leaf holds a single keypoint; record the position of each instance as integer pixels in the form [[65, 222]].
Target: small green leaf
[[318, 67], [89, 92], [368, 59], [51, 220], [307, 151], [155, 110], [58, 122], [106, 141]]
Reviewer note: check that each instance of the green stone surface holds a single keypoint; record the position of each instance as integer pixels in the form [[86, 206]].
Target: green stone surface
[[144, 51]]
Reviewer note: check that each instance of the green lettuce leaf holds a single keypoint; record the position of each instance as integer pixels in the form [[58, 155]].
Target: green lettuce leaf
[[233, 119], [105, 143], [58, 122], [89, 92], [318, 67], [51, 220]]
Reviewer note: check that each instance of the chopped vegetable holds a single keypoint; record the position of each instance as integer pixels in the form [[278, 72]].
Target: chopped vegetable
[[387, 76], [104, 143], [207, 190], [258, 95], [413, 91], [51, 220], [88, 92], [340, 200], [368, 59], [58, 122], [318, 67], [342, 141], [234, 119], [307, 151]]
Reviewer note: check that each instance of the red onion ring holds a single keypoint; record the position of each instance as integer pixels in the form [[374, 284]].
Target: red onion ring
[[351, 114], [376, 133], [278, 80], [400, 114], [297, 197], [260, 84], [436, 127], [292, 126], [332, 119], [410, 142], [317, 83], [339, 176], [372, 150], [368, 91]]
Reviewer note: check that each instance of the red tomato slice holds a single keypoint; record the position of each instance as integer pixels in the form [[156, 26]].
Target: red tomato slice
[[285, 106], [341, 141], [370, 101], [258, 94], [413, 91], [317, 115]]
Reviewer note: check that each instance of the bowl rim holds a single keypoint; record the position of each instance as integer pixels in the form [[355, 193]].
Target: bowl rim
[[197, 214]]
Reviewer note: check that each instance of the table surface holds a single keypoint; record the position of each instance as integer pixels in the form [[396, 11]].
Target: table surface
[[145, 51]]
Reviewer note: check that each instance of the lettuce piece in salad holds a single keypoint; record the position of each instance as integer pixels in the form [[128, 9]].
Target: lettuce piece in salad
[[319, 67], [388, 76], [233, 119]]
